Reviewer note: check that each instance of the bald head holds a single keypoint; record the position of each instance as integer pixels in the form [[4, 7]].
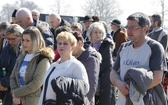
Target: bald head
[[35, 14], [54, 20], [24, 18]]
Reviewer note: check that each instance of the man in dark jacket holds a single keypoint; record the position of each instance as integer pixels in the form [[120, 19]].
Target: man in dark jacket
[[55, 22], [24, 19], [91, 59], [7, 60], [118, 35], [87, 22]]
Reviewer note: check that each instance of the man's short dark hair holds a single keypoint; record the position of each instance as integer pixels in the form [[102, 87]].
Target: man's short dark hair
[[157, 17], [142, 19], [14, 13], [78, 35]]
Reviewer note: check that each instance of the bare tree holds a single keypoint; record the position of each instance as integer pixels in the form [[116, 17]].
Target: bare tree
[[60, 6], [106, 10], [164, 11], [28, 4], [7, 9]]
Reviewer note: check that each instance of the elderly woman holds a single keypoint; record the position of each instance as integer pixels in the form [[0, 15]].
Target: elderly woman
[[66, 66], [30, 68], [9, 54], [104, 46]]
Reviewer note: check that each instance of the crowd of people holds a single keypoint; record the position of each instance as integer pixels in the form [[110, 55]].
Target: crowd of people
[[59, 63]]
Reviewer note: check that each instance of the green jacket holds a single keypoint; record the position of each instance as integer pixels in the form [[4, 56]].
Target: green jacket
[[35, 73]]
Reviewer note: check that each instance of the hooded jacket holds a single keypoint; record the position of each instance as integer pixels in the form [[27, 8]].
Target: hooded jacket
[[91, 59], [35, 72]]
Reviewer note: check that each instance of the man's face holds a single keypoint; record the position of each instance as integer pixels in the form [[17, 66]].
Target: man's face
[[134, 31], [23, 22], [35, 16], [53, 22], [87, 24], [76, 51], [12, 39], [153, 23]]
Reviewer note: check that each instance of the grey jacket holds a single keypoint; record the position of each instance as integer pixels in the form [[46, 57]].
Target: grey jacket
[[141, 80], [91, 59]]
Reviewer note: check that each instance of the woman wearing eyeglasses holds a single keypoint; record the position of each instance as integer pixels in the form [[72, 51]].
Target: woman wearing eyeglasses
[[73, 80], [30, 68], [8, 58]]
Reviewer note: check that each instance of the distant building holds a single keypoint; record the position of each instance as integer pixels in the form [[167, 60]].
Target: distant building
[[70, 19]]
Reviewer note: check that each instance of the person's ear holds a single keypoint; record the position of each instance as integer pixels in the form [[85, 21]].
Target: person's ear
[[145, 29], [73, 48], [80, 43], [28, 19]]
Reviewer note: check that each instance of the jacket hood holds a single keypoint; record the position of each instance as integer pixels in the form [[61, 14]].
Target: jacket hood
[[48, 52], [90, 51], [94, 53]]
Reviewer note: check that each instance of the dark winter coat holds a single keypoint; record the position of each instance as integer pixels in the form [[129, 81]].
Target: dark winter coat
[[70, 91]]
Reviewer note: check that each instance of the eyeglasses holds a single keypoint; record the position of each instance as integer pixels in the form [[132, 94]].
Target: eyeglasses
[[65, 44], [132, 28], [12, 39]]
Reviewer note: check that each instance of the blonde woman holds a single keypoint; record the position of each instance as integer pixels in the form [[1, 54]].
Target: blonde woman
[[67, 66], [104, 46], [30, 68]]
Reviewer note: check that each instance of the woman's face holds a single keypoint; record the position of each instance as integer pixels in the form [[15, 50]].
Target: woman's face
[[96, 35], [27, 43], [64, 47]]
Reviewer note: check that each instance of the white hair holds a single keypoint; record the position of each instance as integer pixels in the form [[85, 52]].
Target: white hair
[[55, 15], [95, 26], [36, 11]]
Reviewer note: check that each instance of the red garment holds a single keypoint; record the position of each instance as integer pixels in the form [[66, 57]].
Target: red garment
[[57, 56], [165, 83]]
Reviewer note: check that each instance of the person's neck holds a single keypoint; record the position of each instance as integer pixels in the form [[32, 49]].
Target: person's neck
[[95, 42], [80, 52], [155, 28], [139, 42], [63, 59]]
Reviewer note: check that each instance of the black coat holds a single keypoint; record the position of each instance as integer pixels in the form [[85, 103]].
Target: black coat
[[69, 91]]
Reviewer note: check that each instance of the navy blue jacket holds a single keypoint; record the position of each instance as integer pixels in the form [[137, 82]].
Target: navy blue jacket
[[7, 60]]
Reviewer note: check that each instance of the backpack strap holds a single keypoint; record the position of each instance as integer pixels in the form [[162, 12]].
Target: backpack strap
[[40, 58]]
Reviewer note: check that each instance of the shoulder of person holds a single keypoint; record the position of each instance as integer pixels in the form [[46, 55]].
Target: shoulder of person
[[46, 53], [108, 41], [65, 23], [94, 53]]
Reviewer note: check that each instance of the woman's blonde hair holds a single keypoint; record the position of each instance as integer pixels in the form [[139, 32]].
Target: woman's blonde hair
[[96, 26], [36, 37], [68, 36]]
